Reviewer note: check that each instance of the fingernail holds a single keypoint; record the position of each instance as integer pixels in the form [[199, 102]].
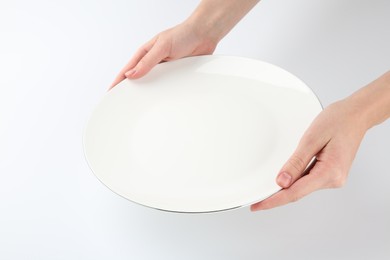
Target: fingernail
[[284, 179], [130, 73]]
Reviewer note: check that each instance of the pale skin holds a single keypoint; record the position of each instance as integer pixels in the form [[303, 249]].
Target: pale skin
[[332, 139]]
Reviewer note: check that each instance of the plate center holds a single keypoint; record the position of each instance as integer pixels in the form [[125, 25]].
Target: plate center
[[206, 139]]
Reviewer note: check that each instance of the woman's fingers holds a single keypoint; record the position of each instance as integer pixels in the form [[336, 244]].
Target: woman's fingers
[[333, 139], [293, 178], [157, 53], [308, 147], [133, 61], [299, 189], [174, 43], [118, 79]]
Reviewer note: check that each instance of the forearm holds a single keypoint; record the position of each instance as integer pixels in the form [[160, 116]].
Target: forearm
[[372, 103], [213, 19]]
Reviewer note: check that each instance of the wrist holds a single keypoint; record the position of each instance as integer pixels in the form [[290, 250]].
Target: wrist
[[213, 19], [371, 104], [205, 27]]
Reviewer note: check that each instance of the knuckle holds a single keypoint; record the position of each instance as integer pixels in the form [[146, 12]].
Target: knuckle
[[162, 42], [141, 63], [297, 163], [338, 181], [296, 197], [309, 138]]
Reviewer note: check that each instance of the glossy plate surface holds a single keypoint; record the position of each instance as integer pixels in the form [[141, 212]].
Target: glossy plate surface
[[199, 134]]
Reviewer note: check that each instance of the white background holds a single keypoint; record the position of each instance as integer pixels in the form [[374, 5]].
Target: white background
[[57, 59]]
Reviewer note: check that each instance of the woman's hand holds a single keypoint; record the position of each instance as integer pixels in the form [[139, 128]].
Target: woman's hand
[[333, 140], [198, 35], [180, 41]]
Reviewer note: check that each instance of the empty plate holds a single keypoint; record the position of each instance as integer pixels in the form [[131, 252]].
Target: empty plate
[[199, 134]]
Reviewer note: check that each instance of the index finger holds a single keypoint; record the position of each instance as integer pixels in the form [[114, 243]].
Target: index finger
[[140, 53]]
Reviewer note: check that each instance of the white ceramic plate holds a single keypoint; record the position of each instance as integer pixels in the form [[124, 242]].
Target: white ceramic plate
[[199, 134]]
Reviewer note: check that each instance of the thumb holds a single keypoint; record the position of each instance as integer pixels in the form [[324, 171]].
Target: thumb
[[298, 163]]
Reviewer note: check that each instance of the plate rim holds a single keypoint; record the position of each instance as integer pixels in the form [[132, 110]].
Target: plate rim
[[212, 56]]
